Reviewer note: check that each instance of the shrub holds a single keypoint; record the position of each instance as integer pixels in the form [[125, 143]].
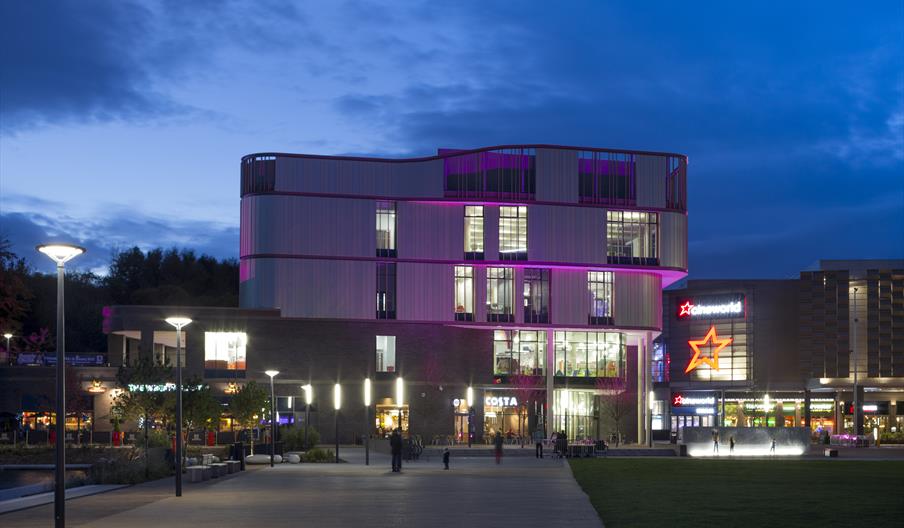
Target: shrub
[[128, 471], [293, 438], [317, 454]]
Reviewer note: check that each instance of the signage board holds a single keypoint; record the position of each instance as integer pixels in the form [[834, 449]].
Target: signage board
[[725, 306], [693, 403]]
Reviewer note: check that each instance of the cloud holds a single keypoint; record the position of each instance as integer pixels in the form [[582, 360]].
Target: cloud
[[106, 234]]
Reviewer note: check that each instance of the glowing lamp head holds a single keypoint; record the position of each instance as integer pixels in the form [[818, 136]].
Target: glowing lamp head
[[400, 391], [271, 373], [308, 394], [61, 253], [470, 396], [337, 396], [367, 392], [8, 335], [178, 321]]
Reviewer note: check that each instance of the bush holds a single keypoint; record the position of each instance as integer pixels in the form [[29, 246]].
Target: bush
[[317, 454], [128, 471], [293, 438], [892, 438], [156, 438]]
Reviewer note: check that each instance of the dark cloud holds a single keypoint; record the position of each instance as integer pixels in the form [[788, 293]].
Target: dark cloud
[[104, 236]]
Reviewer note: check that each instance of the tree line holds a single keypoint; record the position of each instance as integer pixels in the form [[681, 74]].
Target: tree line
[[155, 277]]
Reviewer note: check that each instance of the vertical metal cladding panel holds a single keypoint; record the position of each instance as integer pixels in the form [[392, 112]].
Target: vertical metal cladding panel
[[566, 234], [651, 173], [421, 179], [480, 294], [638, 299], [334, 289], [309, 226], [570, 301], [673, 240], [430, 231], [557, 175], [491, 233], [518, 301], [425, 292]]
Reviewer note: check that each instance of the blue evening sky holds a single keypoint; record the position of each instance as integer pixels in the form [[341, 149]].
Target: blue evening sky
[[123, 122]]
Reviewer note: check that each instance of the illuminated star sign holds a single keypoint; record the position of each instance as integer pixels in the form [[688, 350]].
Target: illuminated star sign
[[713, 341], [685, 309]]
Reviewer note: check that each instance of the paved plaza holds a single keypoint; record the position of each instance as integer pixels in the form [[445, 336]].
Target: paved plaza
[[523, 491]]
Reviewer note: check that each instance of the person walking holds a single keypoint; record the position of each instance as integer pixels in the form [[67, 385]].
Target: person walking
[[446, 455], [731, 445], [772, 447], [715, 441], [395, 445], [497, 443], [538, 440]]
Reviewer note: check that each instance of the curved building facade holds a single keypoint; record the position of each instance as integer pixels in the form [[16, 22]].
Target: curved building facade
[[551, 259]]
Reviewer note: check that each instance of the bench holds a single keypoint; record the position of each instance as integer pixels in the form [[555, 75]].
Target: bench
[[218, 469], [831, 453], [233, 466], [198, 473]]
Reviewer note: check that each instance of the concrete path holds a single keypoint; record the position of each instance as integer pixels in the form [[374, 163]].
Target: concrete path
[[475, 492]]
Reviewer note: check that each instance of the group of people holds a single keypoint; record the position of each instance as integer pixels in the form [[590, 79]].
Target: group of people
[[731, 444]]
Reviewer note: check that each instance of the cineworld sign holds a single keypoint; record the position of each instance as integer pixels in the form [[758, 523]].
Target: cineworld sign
[[712, 307]]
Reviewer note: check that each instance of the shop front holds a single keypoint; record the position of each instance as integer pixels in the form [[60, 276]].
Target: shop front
[[576, 412], [692, 409], [390, 416], [505, 414]]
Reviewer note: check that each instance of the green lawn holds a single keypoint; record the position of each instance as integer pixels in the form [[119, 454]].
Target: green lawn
[[678, 492]]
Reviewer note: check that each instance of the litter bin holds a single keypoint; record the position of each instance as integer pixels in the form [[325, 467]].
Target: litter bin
[[682, 450]]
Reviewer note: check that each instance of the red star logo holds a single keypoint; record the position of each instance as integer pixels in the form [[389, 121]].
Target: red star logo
[[713, 340], [685, 309], [676, 402]]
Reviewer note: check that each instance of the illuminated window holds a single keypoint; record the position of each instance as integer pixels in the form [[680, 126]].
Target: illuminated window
[[513, 232], [386, 354], [224, 351], [519, 352], [590, 354], [500, 295], [536, 295], [734, 363], [386, 229], [464, 293], [386, 290], [474, 232], [599, 286], [632, 237]]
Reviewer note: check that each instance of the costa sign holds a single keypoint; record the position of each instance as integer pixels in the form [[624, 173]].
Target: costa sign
[[712, 307]]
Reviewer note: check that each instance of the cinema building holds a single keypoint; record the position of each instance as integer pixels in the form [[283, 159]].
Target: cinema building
[[531, 275], [785, 352]]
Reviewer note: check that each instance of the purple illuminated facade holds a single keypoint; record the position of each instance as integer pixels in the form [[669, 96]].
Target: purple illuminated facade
[[551, 260]]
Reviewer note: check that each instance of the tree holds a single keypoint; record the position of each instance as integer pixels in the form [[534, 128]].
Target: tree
[[14, 293], [200, 409], [149, 405], [76, 400], [528, 389], [615, 402], [247, 405]]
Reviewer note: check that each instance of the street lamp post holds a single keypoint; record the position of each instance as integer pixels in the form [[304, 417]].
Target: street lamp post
[[650, 420], [59, 253], [469, 395], [273, 425], [178, 322], [766, 409], [9, 352], [400, 397], [367, 426], [308, 398], [337, 404]]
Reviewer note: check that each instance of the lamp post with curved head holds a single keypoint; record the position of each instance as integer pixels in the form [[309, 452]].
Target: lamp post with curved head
[[178, 322], [61, 254], [337, 404], [273, 425], [367, 425]]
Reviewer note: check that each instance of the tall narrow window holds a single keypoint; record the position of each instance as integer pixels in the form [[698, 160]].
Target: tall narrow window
[[500, 295], [519, 352], [385, 360], [632, 237], [599, 286], [474, 232], [513, 232], [386, 229], [386, 290], [536, 295], [464, 293]]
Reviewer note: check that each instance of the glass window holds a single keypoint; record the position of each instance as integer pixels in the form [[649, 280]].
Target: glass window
[[590, 354], [599, 286], [474, 232], [386, 354], [386, 290], [733, 361], [536, 295], [632, 237], [225, 350], [519, 352], [464, 293], [386, 229], [500, 295], [497, 174], [513, 232], [607, 178], [581, 409]]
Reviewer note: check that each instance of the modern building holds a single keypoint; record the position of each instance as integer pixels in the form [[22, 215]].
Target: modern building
[[785, 352], [509, 288]]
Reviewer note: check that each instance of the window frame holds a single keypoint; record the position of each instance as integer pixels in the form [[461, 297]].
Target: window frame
[[466, 275], [508, 276], [518, 224], [602, 278], [389, 210]]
